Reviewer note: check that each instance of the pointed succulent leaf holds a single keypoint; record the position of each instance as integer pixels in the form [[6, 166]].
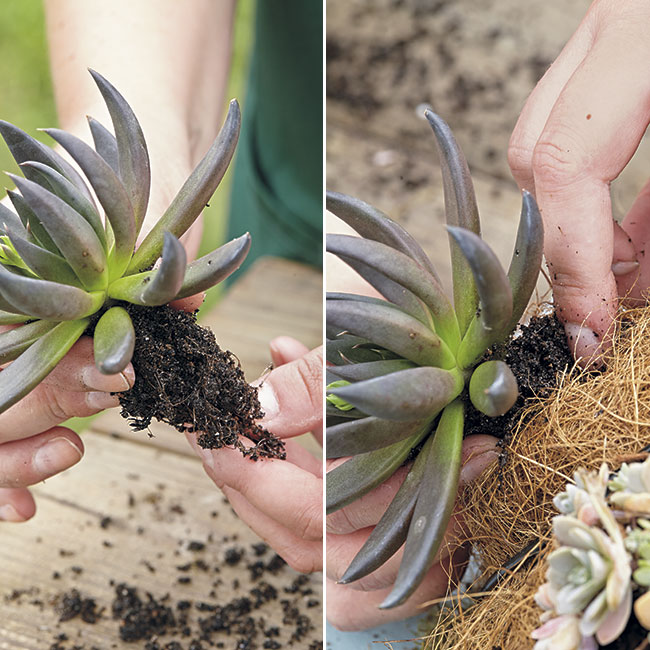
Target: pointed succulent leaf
[[44, 264], [133, 158], [69, 193], [72, 234], [405, 395], [493, 388], [214, 267], [47, 300], [526, 259], [11, 223], [461, 210], [390, 532], [105, 143], [23, 148], [360, 436], [491, 281], [9, 318], [401, 269], [32, 223], [392, 291], [113, 341], [357, 476], [157, 287], [168, 277], [391, 329], [434, 506], [111, 194], [14, 342], [373, 224], [38, 361], [370, 369], [195, 193]]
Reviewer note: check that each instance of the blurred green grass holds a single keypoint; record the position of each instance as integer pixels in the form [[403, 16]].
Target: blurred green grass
[[27, 100]]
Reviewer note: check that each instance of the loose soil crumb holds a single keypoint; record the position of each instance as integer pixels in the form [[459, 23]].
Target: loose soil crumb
[[185, 379]]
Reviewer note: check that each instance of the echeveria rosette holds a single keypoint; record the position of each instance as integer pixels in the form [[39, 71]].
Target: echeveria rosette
[[67, 263], [403, 364]]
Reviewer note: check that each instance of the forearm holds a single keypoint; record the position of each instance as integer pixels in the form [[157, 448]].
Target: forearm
[[169, 58]]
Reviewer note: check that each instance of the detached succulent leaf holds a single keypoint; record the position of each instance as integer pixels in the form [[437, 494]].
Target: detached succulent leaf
[[390, 532], [195, 193], [113, 341], [405, 395], [434, 505], [392, 329], [493, 388], [133, 157], [373, 224], [357, 476], [38, 361], [47, 300], [461, 210]]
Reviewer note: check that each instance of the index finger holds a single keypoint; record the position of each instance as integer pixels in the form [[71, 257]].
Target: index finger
[[591, 134]]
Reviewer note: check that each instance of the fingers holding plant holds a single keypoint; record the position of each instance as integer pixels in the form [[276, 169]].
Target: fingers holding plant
[[281, 500]]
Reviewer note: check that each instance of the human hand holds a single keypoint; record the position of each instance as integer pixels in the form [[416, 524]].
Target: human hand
[[355, 606], [577, 131], [32, 446], [281, 500]]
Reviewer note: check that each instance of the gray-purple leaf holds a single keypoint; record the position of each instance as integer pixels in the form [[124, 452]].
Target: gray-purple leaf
[[105, 143], [405, 395], [214, 267], [133, 158], [195, 193]]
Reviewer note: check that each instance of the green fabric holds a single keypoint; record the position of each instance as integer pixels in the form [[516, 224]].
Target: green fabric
[[277, 185]]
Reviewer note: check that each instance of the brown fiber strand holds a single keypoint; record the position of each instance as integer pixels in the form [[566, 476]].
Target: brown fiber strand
[[589, 419]]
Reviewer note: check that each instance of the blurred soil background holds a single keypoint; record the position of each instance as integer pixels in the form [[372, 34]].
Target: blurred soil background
[[475, 62]]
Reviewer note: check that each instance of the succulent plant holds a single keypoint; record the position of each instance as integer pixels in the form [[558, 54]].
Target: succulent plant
[[588, 593], [413, 362], [64, 270]]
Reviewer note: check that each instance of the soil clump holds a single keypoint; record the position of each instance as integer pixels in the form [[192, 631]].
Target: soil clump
[[185, 379]]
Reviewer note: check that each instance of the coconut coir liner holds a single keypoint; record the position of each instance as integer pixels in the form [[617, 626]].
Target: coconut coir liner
[[587, 420]]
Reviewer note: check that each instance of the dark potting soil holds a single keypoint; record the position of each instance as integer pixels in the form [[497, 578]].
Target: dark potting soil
[[185, 379], [536, 358]]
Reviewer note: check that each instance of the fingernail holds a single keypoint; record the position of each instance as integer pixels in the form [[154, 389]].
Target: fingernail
[[623, 268], [99, 400], [128, 375], [9, 513], [584, 343], [55, 455], [476, 465], [93, 378], [268, 401]]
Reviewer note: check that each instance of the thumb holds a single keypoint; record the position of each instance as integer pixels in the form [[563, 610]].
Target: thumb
[[479, 452], [291, 396]]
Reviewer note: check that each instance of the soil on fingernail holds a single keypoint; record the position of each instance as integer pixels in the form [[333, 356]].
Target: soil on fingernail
[[185, 379]]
